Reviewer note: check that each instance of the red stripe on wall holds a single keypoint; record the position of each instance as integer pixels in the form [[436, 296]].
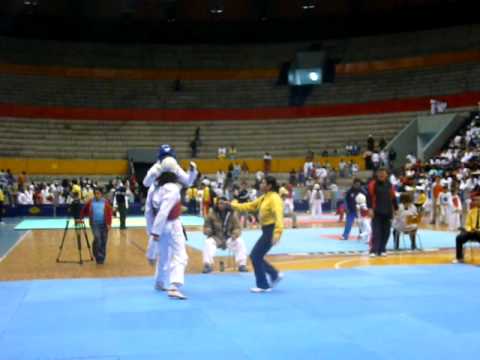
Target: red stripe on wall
[[375, 107]]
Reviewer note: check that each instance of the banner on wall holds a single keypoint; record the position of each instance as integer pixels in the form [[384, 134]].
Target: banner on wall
[[52, 211]]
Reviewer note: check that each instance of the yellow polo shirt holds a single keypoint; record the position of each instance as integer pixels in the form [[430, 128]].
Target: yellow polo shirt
[[269, 207], [472, 222]]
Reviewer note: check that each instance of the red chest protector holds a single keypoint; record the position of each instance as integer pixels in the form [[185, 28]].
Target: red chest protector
[[175, 212]]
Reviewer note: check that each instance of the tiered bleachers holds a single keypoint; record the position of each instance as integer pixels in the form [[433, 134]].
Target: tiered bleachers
[[72, 139], [197, 94], [101, 139], [16, 51]]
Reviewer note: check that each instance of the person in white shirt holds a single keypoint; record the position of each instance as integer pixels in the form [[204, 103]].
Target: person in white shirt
[[375, 160], [220, 178], [22, 198], [222, 152], [364, 227], [316, 201], [288, 209], [405, 221], [445, 199], [29, 194], [383, 159], [354, 168], [455, 211], [307, 168], [411, 159]]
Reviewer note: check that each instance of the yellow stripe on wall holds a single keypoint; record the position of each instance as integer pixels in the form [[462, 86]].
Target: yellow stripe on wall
[[64, 167], [120, 167]]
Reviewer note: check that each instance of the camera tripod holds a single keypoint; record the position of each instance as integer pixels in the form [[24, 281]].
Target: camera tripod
[[80, 228]]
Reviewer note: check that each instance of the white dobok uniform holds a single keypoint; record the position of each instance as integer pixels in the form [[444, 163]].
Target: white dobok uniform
[[454, 213], [185, 178], [163, 201], [364, 227], [316, 201]]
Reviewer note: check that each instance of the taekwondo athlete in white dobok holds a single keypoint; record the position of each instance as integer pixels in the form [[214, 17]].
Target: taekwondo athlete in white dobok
[[364, 228], [316, 201], [166, 159], [166, 235]]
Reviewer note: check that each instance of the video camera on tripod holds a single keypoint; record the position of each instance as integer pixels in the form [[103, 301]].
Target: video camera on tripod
[[79, 227]]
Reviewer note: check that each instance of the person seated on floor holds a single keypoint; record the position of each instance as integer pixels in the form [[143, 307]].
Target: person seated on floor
[[222, 228], [406, 221], [471, 231]]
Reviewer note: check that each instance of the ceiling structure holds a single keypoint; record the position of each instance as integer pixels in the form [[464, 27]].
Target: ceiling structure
[[183, 21]]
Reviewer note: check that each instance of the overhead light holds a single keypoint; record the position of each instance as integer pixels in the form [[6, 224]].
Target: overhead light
[[314, 76], [216, 7], [309, 4], [216, 11]]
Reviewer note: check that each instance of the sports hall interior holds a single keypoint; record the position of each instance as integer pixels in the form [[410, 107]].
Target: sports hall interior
[[83, 102]]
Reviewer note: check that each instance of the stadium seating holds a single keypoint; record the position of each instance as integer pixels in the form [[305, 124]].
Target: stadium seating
[[79, 139]]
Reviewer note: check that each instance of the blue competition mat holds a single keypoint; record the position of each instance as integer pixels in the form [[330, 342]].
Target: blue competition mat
[[375, 313], [325, 240]]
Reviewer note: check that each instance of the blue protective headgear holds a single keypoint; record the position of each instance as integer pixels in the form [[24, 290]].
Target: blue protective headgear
[[166, 150]]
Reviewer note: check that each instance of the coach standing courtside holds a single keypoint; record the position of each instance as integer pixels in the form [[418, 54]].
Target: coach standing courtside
[[382, 203]]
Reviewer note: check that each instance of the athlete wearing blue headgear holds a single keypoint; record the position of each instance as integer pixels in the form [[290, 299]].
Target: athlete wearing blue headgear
[[162, 211], [166, 150]]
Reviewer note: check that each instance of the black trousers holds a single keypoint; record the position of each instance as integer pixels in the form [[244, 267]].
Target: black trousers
[[1, 210], [122, 210], [463, 238], [396, 238], [381, 226], [260, 266]]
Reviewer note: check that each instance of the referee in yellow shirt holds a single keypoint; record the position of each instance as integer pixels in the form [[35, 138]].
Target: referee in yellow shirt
[[270, 208]]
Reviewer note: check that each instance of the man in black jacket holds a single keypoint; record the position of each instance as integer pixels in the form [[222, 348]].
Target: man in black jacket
[[382, 204]]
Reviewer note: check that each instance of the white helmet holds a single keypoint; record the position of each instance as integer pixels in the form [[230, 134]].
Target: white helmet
[[169, 164], [361, 199]]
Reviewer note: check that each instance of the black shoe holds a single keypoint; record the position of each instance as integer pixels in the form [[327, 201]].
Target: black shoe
[[207, 269], [242, 268]]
